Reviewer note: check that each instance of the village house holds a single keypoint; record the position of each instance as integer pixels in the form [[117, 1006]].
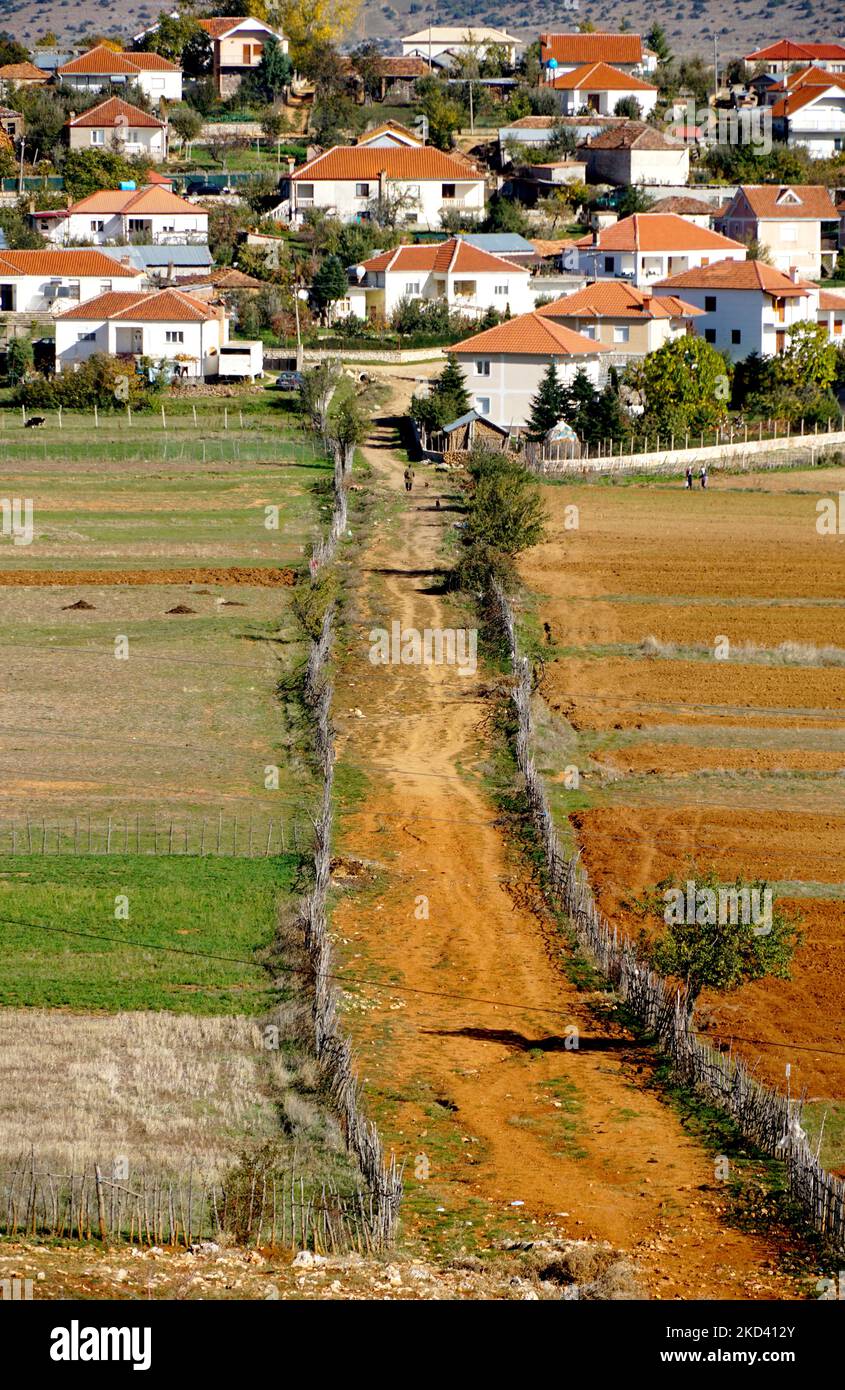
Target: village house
[[117, 125], [102, 68], [469, 280], [165, 264], [466, 41], [748, 306], [21, 75], [635, 153], [504, 366], [38, 282], [149, 215], [693, 210], [162, 325], [564, 52], [238, 45], [397, 79], [810, 111], [389, 135], [777, 59], [831, 314], [599, 87], [413, 186], [12, 123], [786, 219], [650, 246], [627, 321]]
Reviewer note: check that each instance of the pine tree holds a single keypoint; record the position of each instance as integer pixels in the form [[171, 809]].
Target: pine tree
[[450, 388], [549, 405], [330, 283]]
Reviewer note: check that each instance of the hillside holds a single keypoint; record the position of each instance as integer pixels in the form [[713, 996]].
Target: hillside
[[690, 24]]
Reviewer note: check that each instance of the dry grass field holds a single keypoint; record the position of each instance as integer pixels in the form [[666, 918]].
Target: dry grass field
[[688, 759]]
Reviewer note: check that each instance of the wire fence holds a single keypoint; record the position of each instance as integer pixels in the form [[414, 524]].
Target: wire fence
[[222, 834], [764, 1115], [258, 1208]]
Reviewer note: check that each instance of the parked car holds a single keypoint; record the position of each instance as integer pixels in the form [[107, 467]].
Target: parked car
[[199, 188], [289, 381]]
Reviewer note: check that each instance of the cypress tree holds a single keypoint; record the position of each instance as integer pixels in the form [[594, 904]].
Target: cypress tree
[[549, 405]]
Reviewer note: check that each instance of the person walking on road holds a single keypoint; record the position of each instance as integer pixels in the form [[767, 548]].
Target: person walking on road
[[703, 475], [409, 478], [688, 478]]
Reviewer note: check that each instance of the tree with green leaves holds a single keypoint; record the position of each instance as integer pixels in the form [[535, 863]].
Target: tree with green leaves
[[505, 515], [451, 387], [348, 429], [443, 113], [329, 284], [274, 72], [549, 406], [657, 41], [809, 358], [505, 215], [367, 61], [87, 171], [186, 122], [630, 107], [447, 399], [19, 360], [686, 386]]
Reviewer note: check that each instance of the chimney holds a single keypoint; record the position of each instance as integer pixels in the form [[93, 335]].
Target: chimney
[[170, 273], [646, 301], [793, 274], [71, 115], [291, 165], [595, 236]]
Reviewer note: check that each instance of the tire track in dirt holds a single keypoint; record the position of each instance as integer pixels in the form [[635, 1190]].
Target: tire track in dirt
[[572, 1134]]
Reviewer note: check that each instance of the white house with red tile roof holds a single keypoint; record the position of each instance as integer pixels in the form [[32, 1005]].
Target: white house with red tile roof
[[623, 51], [599, 87], [627, 321], [115, 124], [504, 366], [809, 110], [420, 185], [164, 325], [748, 306], [831, 313], [785, 218], [634, 152], [103, 67], [454, 272], [152, 215], [37, 282], [779, 58], [388, 134], [649, 246], [438, 39]]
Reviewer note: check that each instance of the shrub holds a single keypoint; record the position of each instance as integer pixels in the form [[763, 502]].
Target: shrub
[[107, 382]]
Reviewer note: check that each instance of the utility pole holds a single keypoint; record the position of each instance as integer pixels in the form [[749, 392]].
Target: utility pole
[[715, 67]]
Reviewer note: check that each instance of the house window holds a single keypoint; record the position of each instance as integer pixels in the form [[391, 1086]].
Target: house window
[[736, 335], [447, 190], [174, 335], [97, 224], [157, 84], [85, 337], [137, 224], [621, 333], [305, 192], [482, 405], [362, 190], [787, 231], [98, 137], [482, 368], [609, 264], [412, 287], [837, 328], [105, 287], [709, 335], [710, 304], [500, 289]]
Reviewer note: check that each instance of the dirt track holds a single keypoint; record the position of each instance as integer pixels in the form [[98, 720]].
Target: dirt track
[[489, 1091]]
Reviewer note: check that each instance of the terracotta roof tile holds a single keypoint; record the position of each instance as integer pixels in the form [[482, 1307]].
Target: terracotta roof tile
[[804, 94], [149, 200], [221, 24], [114, 111], [437, 257], [683, 207], [529, 335], [784, 201], [23, 72], [787, 51], [615, 299], [600, 77], [661, 231], [633, 135], [71, 262], [591, 48], [829, 299], [106, 61], [736, 275], [345, 162], [162, 306]]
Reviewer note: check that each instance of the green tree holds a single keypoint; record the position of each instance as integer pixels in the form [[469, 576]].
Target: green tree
[[368, 63], [86, 171], [549, 406], [11, 51], [274, 72], [630, 107], [505, 215], [19, 360], [329, 284], [633, 200], [686, 384], [809, 359], [657, 41], [505, 515], [451, 388], [186, 122], [274, 124], [443, 113], [18, 230]]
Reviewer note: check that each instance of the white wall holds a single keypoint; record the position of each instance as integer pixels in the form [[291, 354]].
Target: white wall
[[749, 313], [425, 200], [36, 293], [78, 339], [157, 85], [103, 227], [508, 383], [129, 140], [643, 268], [572, 101]]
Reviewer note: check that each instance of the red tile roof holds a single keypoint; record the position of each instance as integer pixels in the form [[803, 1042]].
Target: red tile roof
[[528, 335], [106, 61], [221, 24], [23, 72], [737, 275], [74, 263], [684, 207], [804, 94], [115, 112], [345, 162], [787, 51], [772, 200], [615, 299], [147, 200], [390, 128], [660, 231], [591, 48], [633, 135], [829, 299], [600, 77], [162, 306], [455, 255]]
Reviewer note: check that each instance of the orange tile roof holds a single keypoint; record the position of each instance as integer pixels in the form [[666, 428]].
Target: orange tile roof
[[345, 162], [591, 48], [829, 299], [600, 77], [221, 24], [804, 95], [102, 60], [813, 77], [787, 51], [633, 135], [162, 306], [149, 200], [615, 299], [70, 262], [528, 335], [772, 200], [23, 72], [114, 111], [455, 255], [737, 275], [659, 231], [389, 128]]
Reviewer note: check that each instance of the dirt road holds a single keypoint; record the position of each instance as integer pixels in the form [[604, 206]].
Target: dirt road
[[489, 1101]]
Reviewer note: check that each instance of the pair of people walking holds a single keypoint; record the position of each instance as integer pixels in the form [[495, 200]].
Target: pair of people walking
[[702, 475]]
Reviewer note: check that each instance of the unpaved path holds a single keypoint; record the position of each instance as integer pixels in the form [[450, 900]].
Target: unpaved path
[[488, 1090]]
